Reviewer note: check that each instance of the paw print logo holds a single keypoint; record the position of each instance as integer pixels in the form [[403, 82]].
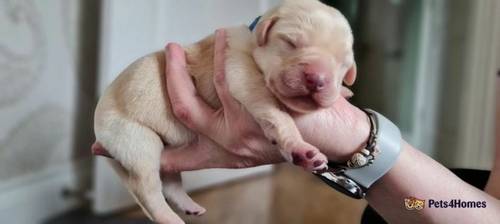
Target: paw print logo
[[412, 203]]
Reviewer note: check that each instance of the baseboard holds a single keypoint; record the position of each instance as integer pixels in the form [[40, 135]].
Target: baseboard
[[35, 197]]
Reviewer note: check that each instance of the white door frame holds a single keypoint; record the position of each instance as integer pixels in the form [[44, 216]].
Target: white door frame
[[423, 132], [476, 133]]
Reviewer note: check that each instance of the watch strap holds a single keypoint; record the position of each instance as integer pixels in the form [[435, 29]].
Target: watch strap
[[389, 147], [343, 184]]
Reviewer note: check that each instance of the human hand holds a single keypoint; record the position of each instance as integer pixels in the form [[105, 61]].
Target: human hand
[[230, 138]]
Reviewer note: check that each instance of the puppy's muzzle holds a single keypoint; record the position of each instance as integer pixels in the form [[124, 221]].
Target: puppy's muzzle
[[314, 82]]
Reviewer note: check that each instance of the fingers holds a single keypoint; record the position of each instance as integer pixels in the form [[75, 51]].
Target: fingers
[[186, 105], [202, 154], [221, 87], [184, 158]]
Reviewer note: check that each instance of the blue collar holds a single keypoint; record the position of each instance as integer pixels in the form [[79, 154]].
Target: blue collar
[[254, 23]]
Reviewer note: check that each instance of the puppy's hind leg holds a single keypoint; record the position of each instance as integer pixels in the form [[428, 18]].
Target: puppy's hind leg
[[139, 155], [175, 193]]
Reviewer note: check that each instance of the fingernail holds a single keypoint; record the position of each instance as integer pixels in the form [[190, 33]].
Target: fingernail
[[169, 50], [168, 46], [219, 32]]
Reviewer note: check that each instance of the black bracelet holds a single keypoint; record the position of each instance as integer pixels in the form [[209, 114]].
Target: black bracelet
[[365, 156]]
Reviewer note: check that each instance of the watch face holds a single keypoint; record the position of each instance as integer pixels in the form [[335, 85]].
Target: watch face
[[343, 184]]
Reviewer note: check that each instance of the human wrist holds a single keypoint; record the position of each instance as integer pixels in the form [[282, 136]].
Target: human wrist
[[356, 133], [360, 133], [338, 131], [366, 166]]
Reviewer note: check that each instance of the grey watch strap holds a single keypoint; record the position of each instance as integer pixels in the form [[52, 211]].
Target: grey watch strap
[[389, 144]]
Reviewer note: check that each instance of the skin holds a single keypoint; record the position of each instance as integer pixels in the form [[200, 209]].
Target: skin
[[230, 138], [493, 186], [235, 130]]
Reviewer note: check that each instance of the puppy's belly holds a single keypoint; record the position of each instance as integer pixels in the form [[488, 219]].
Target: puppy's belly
[[139, 95]]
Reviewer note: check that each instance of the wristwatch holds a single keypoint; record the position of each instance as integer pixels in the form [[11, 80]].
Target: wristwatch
[[355, 177]]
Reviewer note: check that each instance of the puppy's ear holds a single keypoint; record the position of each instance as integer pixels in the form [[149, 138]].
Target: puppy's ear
[[263, 29], [350, 76]]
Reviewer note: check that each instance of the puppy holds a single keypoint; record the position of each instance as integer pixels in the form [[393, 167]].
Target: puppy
[[295, 60]]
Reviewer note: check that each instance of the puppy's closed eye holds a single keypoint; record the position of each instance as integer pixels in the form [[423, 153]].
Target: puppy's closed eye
[[289, 42]]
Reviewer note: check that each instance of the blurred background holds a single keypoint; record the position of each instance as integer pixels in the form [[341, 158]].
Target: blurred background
[[428, 65]]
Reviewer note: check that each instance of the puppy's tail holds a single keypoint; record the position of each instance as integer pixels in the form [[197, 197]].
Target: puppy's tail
[[98, 150]]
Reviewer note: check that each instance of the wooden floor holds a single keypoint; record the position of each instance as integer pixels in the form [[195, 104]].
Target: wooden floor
[[289, 196]]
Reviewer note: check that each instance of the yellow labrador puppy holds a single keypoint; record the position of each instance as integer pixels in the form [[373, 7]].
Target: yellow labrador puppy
[[295, 59]]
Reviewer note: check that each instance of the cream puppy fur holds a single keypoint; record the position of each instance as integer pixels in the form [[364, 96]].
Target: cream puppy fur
[[295, 60]]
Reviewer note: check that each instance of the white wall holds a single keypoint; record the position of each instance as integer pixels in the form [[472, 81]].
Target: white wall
[[38, 87], [160, 22]]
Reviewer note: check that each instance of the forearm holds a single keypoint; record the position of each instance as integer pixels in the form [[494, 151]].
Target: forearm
[[493, 186], [417, 175], [338, 132]]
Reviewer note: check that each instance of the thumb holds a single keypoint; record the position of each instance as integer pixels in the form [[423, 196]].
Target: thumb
[[201, 154]]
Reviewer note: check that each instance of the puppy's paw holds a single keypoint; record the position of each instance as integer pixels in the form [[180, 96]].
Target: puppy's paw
[[192, 209], [306, 156]]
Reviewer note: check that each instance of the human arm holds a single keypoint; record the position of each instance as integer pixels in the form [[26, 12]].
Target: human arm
[[493, 186], [229, 136], [417, 175], [235, 141]]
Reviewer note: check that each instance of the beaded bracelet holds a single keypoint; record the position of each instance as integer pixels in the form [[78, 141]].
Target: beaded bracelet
[[367, 155]]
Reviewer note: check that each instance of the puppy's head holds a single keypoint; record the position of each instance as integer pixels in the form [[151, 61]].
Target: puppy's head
[[304, 49]]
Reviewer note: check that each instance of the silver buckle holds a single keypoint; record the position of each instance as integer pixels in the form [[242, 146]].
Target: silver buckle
[[336, 179]]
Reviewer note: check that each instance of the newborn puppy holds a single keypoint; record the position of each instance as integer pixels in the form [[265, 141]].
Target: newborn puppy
[[295, 59]]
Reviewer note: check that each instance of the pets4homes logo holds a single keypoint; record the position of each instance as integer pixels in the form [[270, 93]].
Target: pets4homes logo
[[413, 203]]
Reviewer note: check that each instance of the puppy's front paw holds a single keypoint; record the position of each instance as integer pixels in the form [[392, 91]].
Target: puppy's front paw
[[307, 156]]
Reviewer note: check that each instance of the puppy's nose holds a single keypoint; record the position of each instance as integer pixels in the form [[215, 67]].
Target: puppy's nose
[[314, 81]]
